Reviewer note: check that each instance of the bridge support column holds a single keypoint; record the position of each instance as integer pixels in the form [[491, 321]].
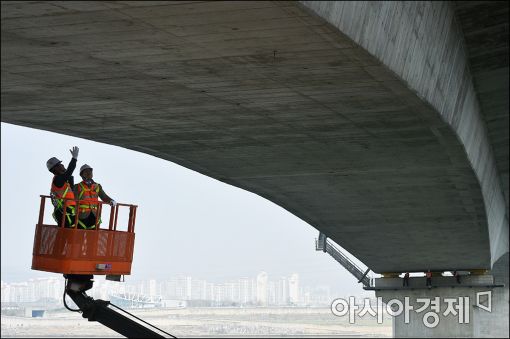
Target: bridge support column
[[471, 312]]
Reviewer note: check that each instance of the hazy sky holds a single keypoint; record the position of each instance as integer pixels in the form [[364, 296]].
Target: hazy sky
[[187, 223]]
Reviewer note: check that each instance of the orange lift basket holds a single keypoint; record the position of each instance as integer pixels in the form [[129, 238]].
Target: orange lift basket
[[78, 251]]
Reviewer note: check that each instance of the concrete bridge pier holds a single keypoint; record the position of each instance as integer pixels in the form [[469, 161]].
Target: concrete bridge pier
[[478, 307]]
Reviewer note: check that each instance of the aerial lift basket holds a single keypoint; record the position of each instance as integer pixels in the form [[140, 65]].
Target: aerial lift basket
[[99, 251]]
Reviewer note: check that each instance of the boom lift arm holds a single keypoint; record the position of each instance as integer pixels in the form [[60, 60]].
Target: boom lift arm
[[106, 313]]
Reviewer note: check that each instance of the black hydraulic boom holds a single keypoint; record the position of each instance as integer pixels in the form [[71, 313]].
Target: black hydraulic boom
[[108, 314]]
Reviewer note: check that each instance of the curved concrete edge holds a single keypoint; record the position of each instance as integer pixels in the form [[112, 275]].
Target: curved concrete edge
[[406, 38]]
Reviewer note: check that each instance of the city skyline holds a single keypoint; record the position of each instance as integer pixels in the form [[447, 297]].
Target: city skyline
[[257, 290]]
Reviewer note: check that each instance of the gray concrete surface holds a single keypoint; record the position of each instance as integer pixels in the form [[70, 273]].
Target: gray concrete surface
[[482, 323], [423, 43], [271, 98], [495, 323], [485, 28], [466, 322]]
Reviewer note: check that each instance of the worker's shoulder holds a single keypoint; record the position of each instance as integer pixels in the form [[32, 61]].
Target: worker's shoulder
[[58, 181]]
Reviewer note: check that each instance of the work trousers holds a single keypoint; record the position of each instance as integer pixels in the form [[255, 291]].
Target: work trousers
[[89, 221], [69, 218]]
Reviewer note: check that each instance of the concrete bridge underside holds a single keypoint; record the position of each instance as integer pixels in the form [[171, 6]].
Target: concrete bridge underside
[[273, 98]]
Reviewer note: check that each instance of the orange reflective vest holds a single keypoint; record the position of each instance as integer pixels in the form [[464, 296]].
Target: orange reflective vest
[[59, 193], [88, 197]]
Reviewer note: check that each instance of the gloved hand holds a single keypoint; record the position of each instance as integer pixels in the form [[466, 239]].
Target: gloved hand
[[113, 203], [74, 152]]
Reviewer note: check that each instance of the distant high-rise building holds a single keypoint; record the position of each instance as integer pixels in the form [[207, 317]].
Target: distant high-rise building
[[45, 288], [6, 292], [153, 291], [294, 289], [183, 288], [169, 290], [307, 298], [245, 290], [282, 291], [188, 288], [209, 292], [20, 292], [198, 289], [262, 289], [231, 291], [219, 292], [271, 293]]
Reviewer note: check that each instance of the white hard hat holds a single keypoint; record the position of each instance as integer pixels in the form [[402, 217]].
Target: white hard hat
[[52, 162], [84, 167]]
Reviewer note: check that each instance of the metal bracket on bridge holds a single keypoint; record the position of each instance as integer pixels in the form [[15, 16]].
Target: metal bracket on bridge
[[364, 275], [320, 244]]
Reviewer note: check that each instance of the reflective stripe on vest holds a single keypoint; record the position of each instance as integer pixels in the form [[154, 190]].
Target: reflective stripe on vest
[[88, 197], [59, 193]]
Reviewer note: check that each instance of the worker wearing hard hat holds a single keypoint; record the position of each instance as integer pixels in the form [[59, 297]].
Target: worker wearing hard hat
[[62, 188], [87, 192]]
